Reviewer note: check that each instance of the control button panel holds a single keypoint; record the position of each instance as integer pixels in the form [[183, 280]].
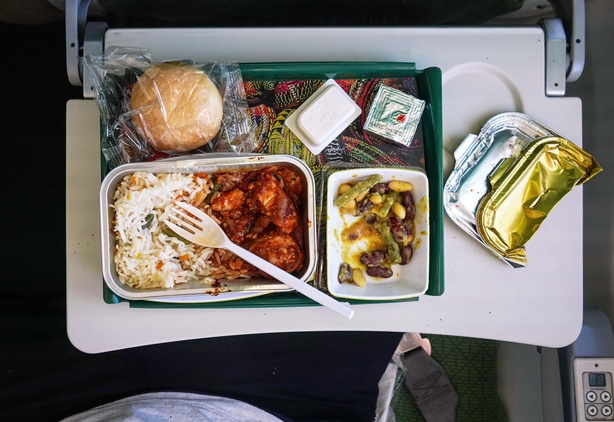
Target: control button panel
[[598, 404]]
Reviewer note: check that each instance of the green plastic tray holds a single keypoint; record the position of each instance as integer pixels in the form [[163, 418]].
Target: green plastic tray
[[429, 86]]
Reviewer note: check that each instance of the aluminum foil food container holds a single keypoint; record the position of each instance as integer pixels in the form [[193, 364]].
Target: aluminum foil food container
[[206, 163], [502, 137], [526, 189], [394, 115]]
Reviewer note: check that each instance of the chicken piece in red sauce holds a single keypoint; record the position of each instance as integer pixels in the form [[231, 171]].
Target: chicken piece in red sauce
[[238, 264], [228, 200], [275, 203], [258, 210], [228, 181], [237, 224], [279, 249], [292, 184], [260, 226]]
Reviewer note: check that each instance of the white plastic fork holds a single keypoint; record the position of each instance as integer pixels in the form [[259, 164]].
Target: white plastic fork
[[201, 229]]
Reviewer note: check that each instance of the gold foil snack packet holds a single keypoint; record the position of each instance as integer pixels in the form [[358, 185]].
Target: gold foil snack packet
[[526, 189]]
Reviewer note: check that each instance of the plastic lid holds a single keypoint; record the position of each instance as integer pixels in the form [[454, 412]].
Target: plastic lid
[[327, 115], [323, 116]]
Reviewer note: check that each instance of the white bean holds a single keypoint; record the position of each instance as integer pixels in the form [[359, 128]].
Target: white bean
[[359, 278], [398, 186]]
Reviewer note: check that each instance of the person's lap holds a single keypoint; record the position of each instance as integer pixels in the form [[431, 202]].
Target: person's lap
[[300, 376]]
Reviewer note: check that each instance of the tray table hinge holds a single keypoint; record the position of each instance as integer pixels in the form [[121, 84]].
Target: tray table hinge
[[556, 57], [75, 18], [574, 21]]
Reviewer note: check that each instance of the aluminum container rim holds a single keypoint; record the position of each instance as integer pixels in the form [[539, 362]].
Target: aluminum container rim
[[191, 164]]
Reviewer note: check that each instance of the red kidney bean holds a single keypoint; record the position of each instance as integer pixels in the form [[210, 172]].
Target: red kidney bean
[[398, 229], [370, 217], [371, 259], [381, 188], [407, 200], [365, 206], [345, 273], [380, 271], [409, 226], [406, 253]]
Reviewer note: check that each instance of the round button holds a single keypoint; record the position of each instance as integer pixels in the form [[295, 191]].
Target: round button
[[606, 396], [606, 410], [591, 410], [591, 396]]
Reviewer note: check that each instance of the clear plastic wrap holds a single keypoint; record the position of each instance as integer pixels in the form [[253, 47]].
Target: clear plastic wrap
[[173, 107]]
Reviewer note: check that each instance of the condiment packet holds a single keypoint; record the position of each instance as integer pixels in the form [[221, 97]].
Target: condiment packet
[[394, 115]]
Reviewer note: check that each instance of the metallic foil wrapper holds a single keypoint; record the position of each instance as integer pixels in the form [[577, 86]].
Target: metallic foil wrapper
[[526, 189], [394, 115], [503, 136]]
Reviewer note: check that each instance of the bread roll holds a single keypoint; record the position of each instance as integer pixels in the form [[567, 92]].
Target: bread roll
[[177, 107]]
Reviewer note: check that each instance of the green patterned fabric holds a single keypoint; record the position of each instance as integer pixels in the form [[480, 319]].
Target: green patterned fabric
[[471, 366]]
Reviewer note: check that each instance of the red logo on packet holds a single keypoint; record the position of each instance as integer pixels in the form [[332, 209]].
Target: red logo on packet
[[401, 118]]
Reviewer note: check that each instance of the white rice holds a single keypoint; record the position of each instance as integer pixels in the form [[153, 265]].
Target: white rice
[[148, 258]]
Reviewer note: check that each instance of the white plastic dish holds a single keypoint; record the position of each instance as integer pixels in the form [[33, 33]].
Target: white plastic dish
[[323, 116], [407, 281]]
